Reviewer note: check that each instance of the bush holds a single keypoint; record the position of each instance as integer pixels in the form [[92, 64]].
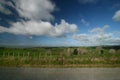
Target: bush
[[112, 51], [75, 52]]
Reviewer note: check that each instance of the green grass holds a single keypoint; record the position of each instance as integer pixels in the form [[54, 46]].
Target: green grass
[[60, 57]]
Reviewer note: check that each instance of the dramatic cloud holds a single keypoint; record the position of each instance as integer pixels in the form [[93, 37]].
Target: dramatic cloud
[[116, 16], [7, 3], [39, 28], [35, 12], [84, 22], [87, 1], [98, 36], [4, 10], [35, 9]]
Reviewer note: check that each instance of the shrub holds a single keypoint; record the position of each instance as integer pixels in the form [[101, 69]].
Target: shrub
[[112, 51], [100, 49], [82, 51], [75, 52]]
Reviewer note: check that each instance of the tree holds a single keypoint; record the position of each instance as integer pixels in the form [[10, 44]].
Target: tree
[[75, 52]]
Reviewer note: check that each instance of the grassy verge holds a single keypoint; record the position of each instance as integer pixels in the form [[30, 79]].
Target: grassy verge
[[57, 57]]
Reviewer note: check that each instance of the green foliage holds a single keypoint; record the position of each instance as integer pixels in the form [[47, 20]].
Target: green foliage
[[75, 52]]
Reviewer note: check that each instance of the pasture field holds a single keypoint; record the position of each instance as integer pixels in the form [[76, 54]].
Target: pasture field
[[60, 57]]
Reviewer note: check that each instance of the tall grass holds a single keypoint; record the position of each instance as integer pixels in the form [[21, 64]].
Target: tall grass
[[57, 56]]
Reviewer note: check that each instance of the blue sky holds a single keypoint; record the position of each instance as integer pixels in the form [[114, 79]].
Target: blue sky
[[59, 22]]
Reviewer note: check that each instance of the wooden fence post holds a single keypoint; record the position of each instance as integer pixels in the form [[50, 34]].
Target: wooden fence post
[[8, 54], [13, 54], [3, 54], [28, 54], [18, 55], [23, 54], [34, 55]]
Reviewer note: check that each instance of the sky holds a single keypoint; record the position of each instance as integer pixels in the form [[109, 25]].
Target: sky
[[52, 23]]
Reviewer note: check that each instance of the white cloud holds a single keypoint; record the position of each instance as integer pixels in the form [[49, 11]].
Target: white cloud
[[2, 29], [114, 41], [39, 28], [98, 36], [84, 22], [5, 10], [100, 30], [87, 1], [81, 37], [116, 16], [35, 9]]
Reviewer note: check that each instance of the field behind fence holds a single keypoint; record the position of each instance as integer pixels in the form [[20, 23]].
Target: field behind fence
[[61, 57]]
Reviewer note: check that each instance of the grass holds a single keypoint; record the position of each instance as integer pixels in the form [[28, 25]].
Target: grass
[[58, 57]]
